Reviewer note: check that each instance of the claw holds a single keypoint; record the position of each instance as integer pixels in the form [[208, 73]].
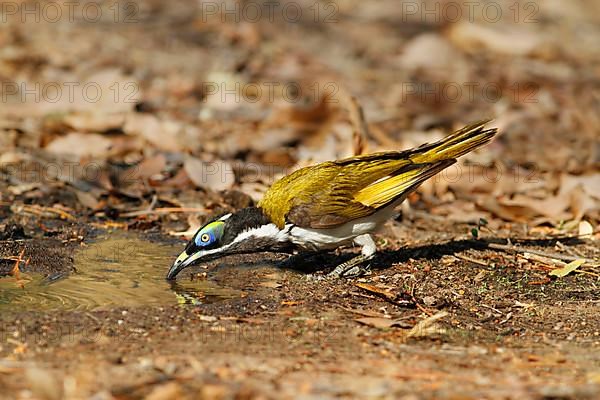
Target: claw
[[350, 268], [355, 272], [315, 277]]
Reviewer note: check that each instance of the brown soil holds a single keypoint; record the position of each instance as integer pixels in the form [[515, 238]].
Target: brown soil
[[441, 315], [509, 332]]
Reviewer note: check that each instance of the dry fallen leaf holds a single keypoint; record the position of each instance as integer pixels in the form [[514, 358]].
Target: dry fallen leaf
[[149, 167], [514, 41], [167, 391], [382, 323], [377, 291], [586, 230], [87, 199], [216, 175], [428, 327], [551, 206], [431, 53], [81, 145], [581, 203], [162, 134], [94, 121], [567, 269], [44, 384], [589, 182]]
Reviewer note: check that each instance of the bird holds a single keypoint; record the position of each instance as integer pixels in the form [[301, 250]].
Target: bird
[[330, 204]]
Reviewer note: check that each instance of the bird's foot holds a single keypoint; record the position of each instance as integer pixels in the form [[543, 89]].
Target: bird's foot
[[357, 271], [315, 277], [351, 268]]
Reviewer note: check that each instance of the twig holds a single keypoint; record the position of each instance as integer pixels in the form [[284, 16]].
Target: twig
[[573, 252], [582, 271], [16, 271], [548, 262], [89, 315], [428, 326], [492, 308], [556, 256], [162, 210], [359, 123], [152, 203], [419, 307], [474, 261], [382, 294], [364, 313], [43, 211]]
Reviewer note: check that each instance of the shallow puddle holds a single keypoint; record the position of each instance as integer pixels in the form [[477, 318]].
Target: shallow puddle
[[116, 270]]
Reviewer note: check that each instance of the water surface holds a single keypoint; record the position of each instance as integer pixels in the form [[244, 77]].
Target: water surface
[[119, 269]]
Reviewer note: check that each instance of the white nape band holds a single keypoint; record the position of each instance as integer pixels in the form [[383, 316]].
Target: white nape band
[[268, 230]]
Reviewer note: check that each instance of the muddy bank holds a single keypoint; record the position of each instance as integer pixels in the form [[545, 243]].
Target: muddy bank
[[200, 107], [275, 331]]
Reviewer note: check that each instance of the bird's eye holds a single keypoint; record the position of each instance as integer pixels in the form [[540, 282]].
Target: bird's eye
[[210, 234]]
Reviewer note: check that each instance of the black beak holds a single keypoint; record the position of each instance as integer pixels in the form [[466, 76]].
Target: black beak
[[185, 260], [176, 268]]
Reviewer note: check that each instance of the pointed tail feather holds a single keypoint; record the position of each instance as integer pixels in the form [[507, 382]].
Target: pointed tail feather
[[396, 187], [455, 145]]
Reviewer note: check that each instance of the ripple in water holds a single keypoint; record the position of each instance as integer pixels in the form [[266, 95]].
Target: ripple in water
[[117, 270]]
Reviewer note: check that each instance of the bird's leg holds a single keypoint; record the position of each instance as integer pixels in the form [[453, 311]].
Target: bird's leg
[[353, 266]]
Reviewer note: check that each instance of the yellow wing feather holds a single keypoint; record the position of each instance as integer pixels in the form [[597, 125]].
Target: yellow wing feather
[[385, 190], [335, 192]]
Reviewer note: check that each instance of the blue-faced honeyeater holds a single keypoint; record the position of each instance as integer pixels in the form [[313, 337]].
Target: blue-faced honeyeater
[[324, 206]]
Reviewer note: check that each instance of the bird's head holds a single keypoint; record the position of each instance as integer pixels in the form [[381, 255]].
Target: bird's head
[[246, 231]]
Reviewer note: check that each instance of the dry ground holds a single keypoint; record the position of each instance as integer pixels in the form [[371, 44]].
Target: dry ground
[[198, 113]]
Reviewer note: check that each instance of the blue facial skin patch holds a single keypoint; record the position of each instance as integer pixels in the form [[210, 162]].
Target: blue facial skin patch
[[210, 234]]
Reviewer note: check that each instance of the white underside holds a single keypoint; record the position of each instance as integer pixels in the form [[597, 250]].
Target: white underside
[[323, 239]]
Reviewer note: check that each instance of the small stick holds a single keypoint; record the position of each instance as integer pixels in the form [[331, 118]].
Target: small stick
[[359, 124], [581, 271], [163, 210], [427, 326], [419, 307], [382, 294], [44, 211], [573, 252], [153, 203], [15, 271], [473, 260], [492, 308], [556, 256]]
